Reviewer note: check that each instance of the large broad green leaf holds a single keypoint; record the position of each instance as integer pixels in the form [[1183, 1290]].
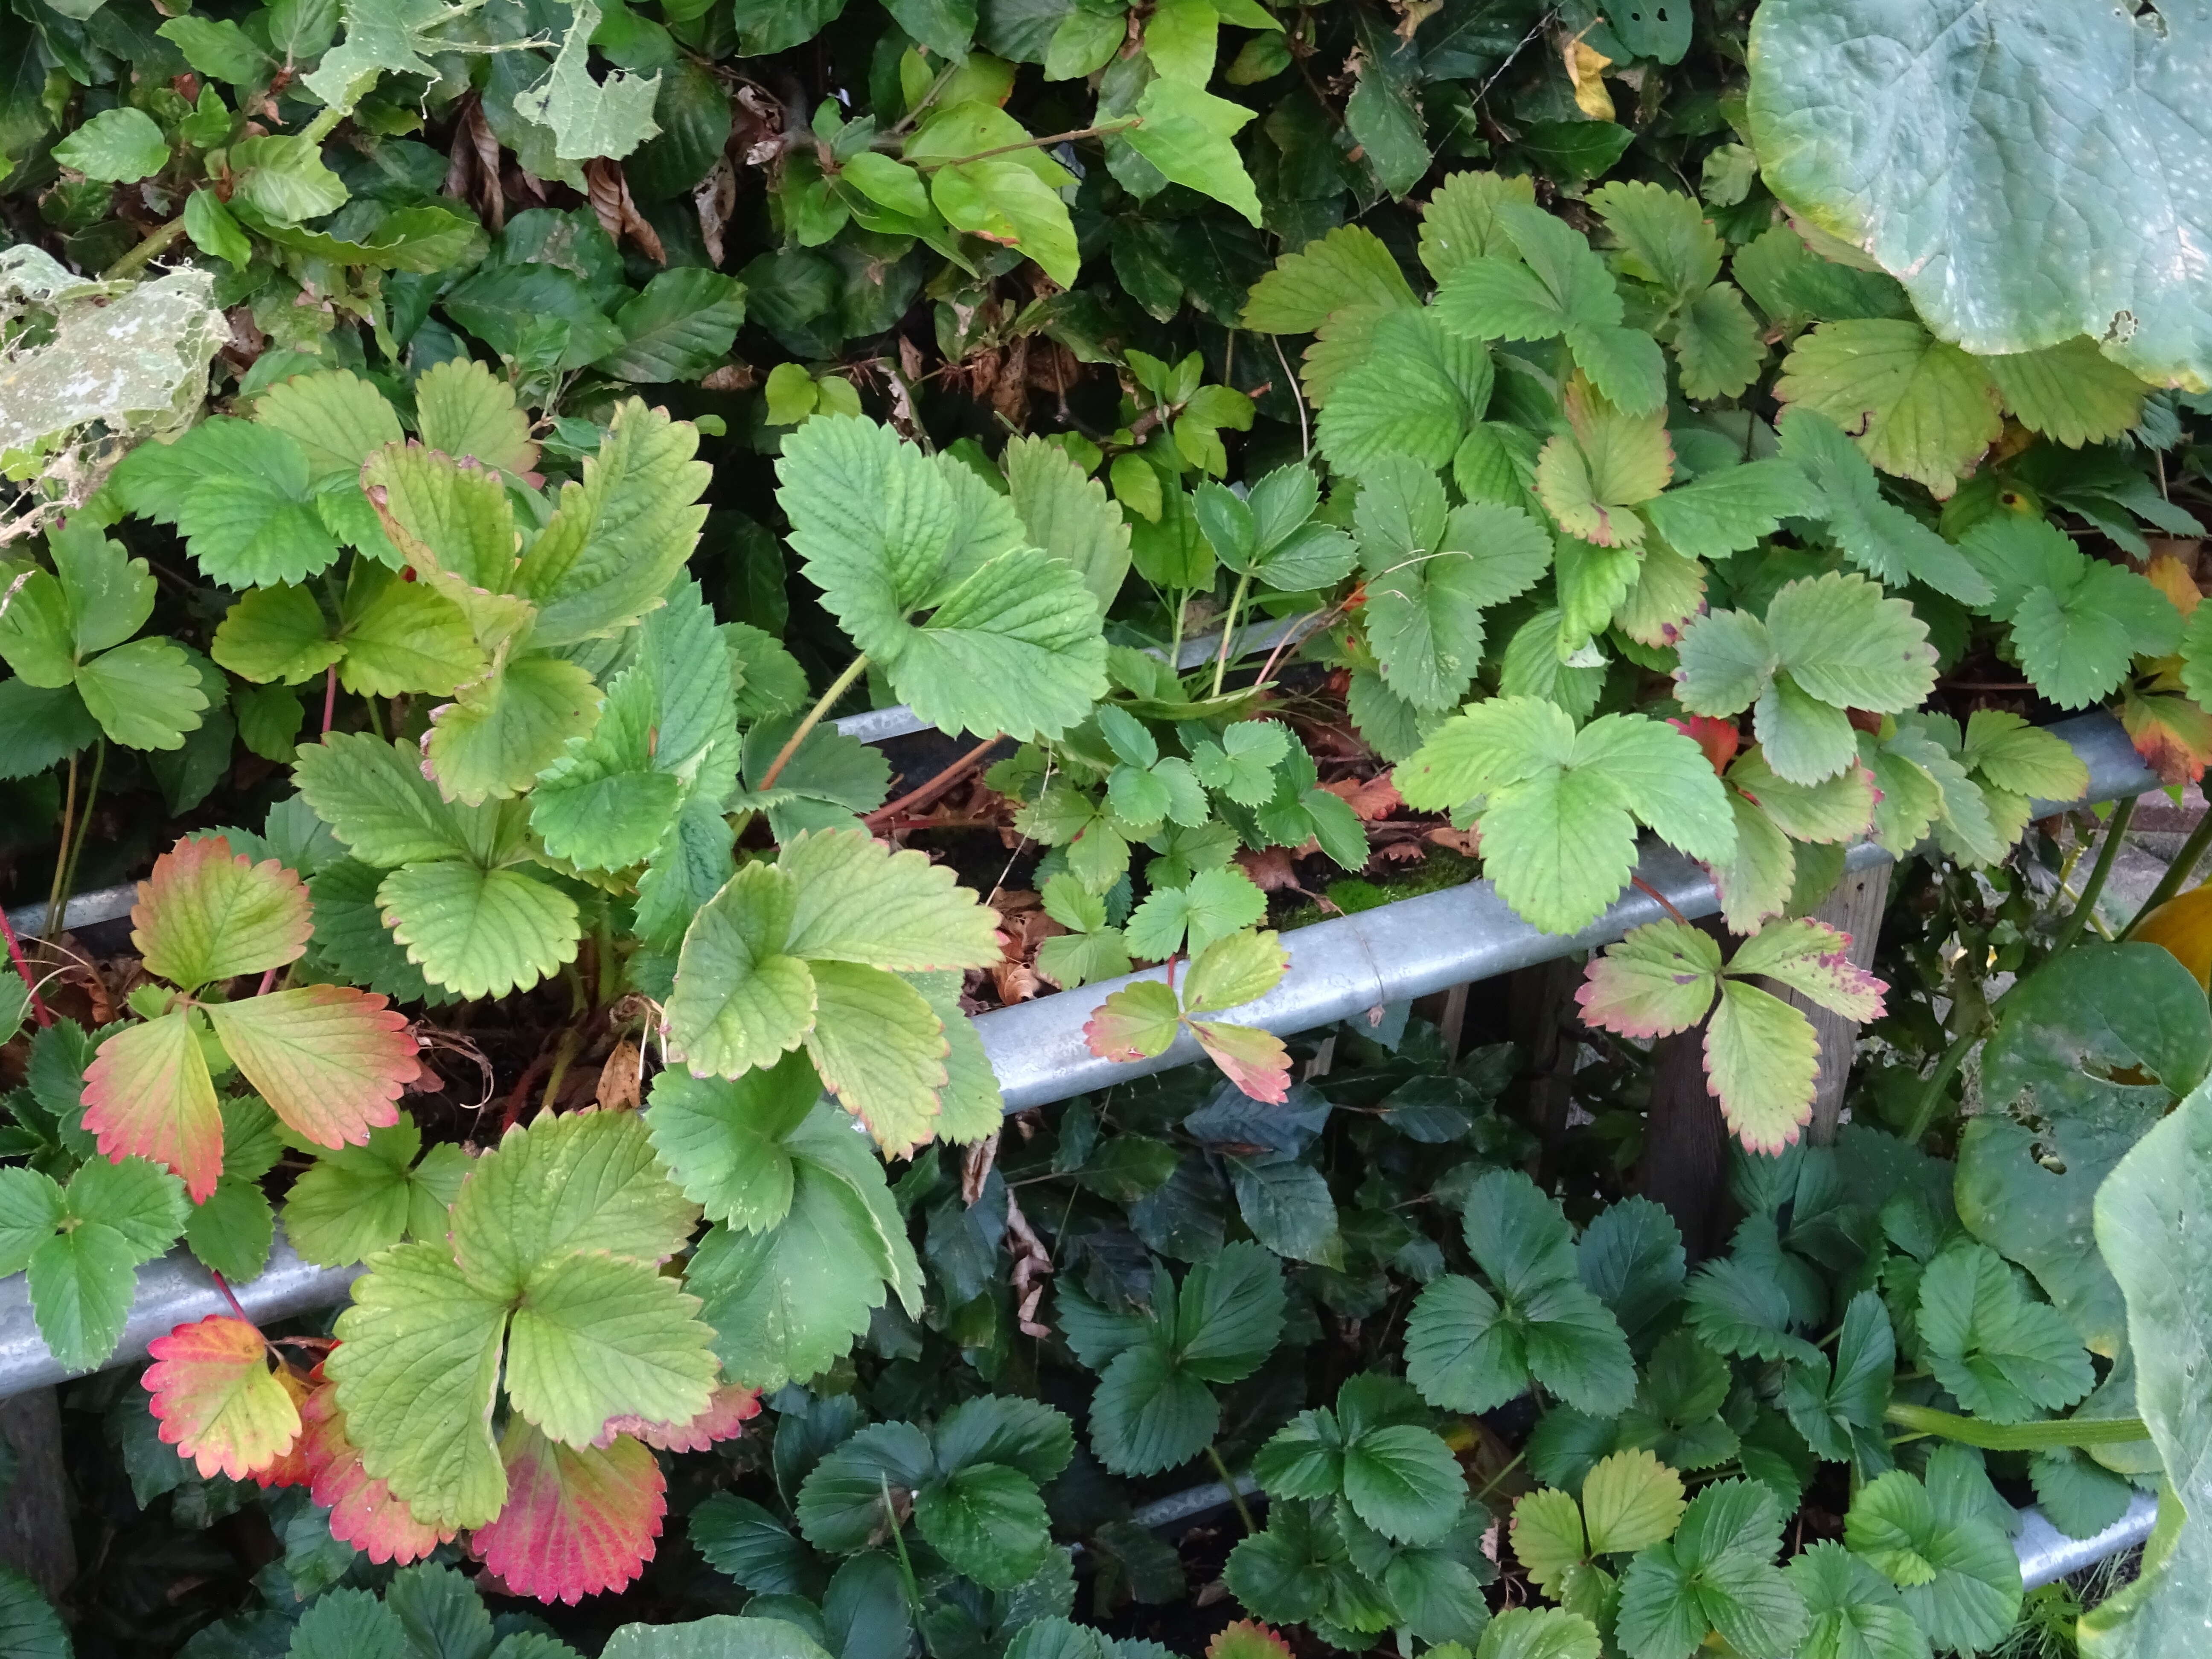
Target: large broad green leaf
[[2154, 1228], [1936, 1543], [376, 800], [2005, 1358], [590, 118], [1941, 138], [1416, 391], [481, 932], [1918, 408], [597, 1337], [1068, 515], [1716, 1575], [679, 328], [722, 1141], [2089, 1054], [1185, 132]]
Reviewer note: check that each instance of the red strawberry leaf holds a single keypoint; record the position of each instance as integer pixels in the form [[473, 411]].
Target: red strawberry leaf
[[577, 1521], [206, 914], [217, 1401], [724, 1419], [331, 1061], [363, 1512], [147, 1094]]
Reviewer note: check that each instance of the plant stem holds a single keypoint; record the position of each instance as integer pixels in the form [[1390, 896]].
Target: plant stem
[[2177, 873], [936, 786], [610, 975], [330, 698], [2016, 1436], [1228, 629], [2116, 832], [15, 955], [155, 244], [1931, 1093], [84, 820], [1045, 143], [1490, 1484], [1235, 1497], [1175, 637], [823, 705], [61, 852], [564, 1052]]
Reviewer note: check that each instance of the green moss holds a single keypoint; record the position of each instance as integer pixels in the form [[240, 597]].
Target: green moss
[[1442, 868]]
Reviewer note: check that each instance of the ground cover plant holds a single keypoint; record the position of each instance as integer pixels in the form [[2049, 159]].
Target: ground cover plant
[[463, 463]]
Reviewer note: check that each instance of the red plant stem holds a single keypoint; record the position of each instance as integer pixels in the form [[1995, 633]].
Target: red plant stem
[[223, 1284], [1658, 898], [15, 955], [267, 980], [936, 786], [330, 698]]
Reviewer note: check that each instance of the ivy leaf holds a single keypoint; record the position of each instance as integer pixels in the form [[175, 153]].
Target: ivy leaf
[[1717, 1574], [216, 1400], [1919, 409], [1937, 1544], [423, 1429], [1559, 807], [578, 1521], [2005, 1358]]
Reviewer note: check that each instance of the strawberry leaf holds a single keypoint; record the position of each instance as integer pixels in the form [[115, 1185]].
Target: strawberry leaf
[[1660, 978], [724, 1419], [578, 1522], [329, 1060], [1813, 958], [722, 1142], [1761, 1058], [597, 1336], [204, 913], [363, 1511], [355, 1200], [147, 1094], [217, 1401], [417, 1365], [481, 932], [1135, 1023]]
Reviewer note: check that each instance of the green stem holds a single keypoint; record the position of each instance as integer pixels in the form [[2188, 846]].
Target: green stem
[[1491, 1485], [1235, 1497], [2016, 1436], [561, 1056], [2177, 873], [155, 244], [2116, 832], [61, 853], [1175, 639], [826, 701], [609, 971], [324, 124], [1229, 630], [1931, 1092], [84, 817]]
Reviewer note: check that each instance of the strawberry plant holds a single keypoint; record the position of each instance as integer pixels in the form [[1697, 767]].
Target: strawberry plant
[[478, 491]]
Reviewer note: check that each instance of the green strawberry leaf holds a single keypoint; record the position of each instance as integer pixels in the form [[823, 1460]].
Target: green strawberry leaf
[[1936, 1543], [2007, 1358], [598, 1337], [1716, 1576], [1417, 391], [478, 932], [1921, 409], [355, 1200]]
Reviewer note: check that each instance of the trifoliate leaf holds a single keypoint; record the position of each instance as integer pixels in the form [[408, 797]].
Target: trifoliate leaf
[[145, 694], [578, 1521], [355, 1200], [481, 932], [1416, 392], [2014, 756], [1918, 408], [2006, 1359], [1430, 577], [1537, 1633], [501, 731], [416, 1365], [1241, 765], [581, 1182], [1212, 905], [723, 1141], [1589, 478], [1718, 1574], [1658, 980], [216, 1400], [1855, 1614], [1955, 1565], [1561, 806], [1736, 1310], [988, 1521]]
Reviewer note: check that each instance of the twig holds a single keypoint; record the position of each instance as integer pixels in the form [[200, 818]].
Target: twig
[[1305, 436], [2116, 832], [1658, 898], [936, 785], [61, 853], [929, 165]]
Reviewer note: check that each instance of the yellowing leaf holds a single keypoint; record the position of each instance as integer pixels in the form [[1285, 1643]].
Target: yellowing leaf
[[217, 1401], [205, 913], [1586, 67], [2183, 926], [147, 1094], [330, 1060], [363, 1512]]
